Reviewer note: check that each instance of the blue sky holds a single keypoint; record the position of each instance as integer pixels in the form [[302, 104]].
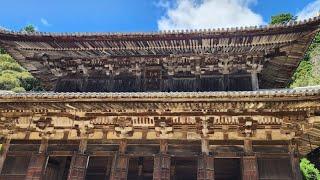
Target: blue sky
[[143, 15]]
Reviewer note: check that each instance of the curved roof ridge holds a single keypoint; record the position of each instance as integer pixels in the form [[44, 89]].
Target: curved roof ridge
[[186, 31]]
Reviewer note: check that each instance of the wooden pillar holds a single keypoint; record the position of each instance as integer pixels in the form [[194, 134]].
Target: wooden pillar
[[205, 162], [205, 167], [79, 162], [38, 162], [249, 162], [4, 151], [295, 163], [254, 80], [173, 169], [249, 168], [162, 162], [120, 163]]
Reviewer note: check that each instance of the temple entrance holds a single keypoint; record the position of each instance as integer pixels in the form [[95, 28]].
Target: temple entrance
[[15, 167], [140, 168], [57, 168], [184, 168], [227, 169], [99, 167]]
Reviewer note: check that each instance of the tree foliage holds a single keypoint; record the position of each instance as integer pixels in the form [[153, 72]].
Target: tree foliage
[[282, 18], [308, 170], [15, 78], [2, 51], [29, 29], [308, 72]]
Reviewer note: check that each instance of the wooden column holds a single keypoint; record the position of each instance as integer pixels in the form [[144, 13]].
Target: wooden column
[[120, 163], [205, 162], [38, 162], [162, 162], [249, 162], [79, 162], [205, 167], [4, 151], [254, 80], [249, 168], [295, 163]]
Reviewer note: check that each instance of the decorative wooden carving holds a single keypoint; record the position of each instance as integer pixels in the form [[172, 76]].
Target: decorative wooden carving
[[247, 126], [78, 166], [205, 167], [249, 168], [124, 128], [163, 131]]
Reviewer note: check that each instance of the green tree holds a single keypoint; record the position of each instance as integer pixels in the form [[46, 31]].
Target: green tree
[[15, 78], [308, 71], [2, 51], [282, 18], [29, 29], [308, 170]]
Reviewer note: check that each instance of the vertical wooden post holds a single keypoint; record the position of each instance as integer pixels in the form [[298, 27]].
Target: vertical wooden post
[[38, 162], [205, 162], [162, 162], [295, 163], [79, 162], [120, 163], [249, 168], [254, 80], [4, 151], [78, 166], [249, 162], [205, 167]]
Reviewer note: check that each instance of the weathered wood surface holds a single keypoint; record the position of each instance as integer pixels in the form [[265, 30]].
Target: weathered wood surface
[[205, 167], [36, 166], [161, 167], [250, 168], [120, 167], [78, 167]]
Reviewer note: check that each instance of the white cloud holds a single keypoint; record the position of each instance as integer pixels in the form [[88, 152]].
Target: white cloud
[[45, 22], [311, 10], [204, 14], [4, 28]]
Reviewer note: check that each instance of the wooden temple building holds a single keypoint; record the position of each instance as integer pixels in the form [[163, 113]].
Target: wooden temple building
[[177, 105]]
